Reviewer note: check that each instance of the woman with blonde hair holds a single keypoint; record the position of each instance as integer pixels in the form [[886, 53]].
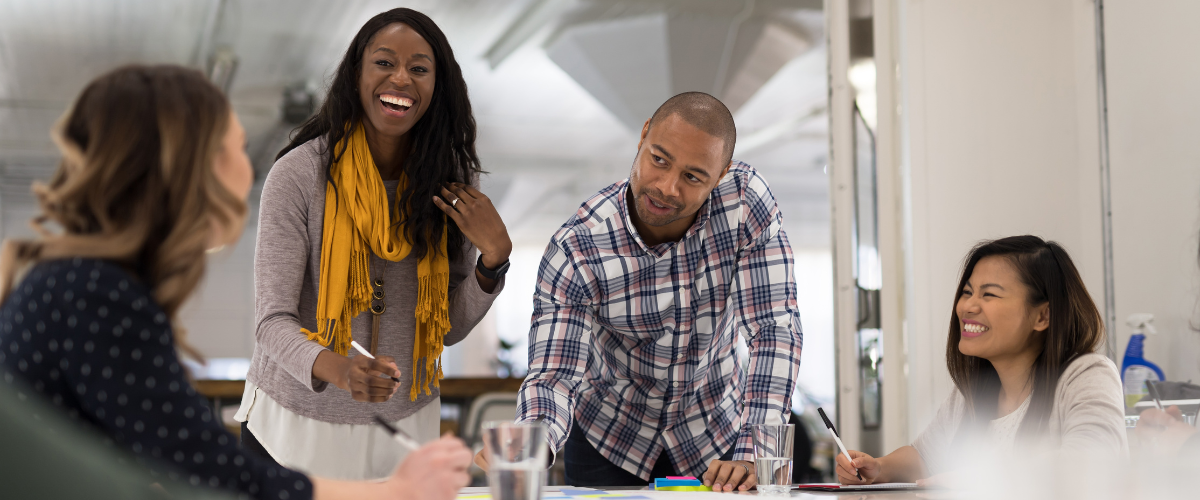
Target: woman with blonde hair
[[153, 175]]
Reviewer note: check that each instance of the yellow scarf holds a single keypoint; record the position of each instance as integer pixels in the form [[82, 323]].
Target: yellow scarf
[[357, 224]]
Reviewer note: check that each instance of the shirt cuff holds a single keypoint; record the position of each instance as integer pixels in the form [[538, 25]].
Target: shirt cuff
[[549, 439], [743, 448], [309, 360]]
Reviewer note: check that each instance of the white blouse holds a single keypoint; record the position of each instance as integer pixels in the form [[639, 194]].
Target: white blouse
[[1002, 431], [350, 452]]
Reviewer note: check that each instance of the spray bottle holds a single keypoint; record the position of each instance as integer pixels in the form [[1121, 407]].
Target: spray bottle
[[1135, 369]]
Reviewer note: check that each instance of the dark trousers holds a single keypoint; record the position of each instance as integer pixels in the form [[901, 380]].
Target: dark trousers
[[587, 467], [251, 444]]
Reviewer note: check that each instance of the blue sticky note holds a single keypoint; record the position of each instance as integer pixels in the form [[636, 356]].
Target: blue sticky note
[[571, 492], [664, 482]]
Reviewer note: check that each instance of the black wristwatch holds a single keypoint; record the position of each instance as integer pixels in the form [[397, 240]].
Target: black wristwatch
[[492, 274]]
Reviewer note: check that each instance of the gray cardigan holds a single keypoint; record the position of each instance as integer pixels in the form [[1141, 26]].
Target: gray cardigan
[[1088, 416], [287, 262]]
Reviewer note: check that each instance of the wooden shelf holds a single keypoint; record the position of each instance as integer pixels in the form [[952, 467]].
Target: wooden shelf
[[473, 387], [455, 388], [220, 388]]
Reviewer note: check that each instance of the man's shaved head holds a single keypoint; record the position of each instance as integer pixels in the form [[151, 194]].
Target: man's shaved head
[[704, 112]]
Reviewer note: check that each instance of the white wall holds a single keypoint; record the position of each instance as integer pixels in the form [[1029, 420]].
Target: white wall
[[1154, 118], [1000, 114]]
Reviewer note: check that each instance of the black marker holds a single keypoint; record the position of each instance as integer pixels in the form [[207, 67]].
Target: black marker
[[398, 434]]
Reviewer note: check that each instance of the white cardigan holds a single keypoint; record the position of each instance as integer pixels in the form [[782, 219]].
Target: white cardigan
[[1088, 415]]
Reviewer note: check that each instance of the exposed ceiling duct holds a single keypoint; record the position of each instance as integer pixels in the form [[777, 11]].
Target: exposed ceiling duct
[[632, 56]]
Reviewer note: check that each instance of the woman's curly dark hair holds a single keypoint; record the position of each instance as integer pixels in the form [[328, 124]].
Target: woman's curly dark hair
[[443, 141]]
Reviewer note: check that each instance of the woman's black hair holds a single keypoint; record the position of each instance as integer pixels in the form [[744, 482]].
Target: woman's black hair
[[442, 141], [1076, 328]]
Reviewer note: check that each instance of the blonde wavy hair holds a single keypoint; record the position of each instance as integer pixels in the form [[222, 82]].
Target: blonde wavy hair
[[136, 183]]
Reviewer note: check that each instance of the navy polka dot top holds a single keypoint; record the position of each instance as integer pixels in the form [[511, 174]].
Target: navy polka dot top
[[88, 337]]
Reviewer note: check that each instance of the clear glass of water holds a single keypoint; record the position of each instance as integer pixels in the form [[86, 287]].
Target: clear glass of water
[[517, 456], [773, 457]]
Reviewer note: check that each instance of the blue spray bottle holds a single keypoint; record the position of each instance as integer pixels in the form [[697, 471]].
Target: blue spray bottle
[[1135, 369]]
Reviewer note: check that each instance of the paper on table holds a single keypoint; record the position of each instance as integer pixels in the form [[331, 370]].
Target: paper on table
[[857, 487], [556, 493]]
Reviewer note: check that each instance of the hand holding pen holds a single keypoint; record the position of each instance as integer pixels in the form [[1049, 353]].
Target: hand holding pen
[[853, 467], [435, 470], [838, 439], [368, 378]]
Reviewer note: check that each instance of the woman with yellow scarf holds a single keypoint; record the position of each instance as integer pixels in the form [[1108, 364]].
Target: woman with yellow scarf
[[368, 232]]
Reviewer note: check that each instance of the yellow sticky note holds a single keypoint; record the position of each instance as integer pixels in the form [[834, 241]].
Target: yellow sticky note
[[684, 488]]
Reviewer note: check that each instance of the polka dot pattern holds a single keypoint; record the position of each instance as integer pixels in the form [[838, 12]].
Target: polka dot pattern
[[87, 336]]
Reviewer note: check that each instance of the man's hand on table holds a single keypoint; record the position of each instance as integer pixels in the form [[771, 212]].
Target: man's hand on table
[[730, 476]]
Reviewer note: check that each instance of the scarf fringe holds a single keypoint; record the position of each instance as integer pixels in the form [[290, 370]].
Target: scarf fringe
[[431, 333]]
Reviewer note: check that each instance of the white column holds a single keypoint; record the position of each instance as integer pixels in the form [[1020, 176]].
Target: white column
[[841, 198]]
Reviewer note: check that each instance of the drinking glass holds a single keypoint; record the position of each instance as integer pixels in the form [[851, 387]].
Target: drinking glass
[[773, 457], [517, 459]]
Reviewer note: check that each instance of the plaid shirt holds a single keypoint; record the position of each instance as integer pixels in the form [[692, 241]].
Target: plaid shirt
[[637, 343]]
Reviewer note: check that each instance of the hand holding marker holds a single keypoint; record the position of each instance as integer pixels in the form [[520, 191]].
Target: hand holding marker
[[838, 440], [364, 352]]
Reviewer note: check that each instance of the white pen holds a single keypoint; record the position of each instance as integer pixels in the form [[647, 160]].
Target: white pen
[[367, 354], [838, 440]]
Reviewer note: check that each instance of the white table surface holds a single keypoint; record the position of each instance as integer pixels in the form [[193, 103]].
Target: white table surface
[[706, 495]]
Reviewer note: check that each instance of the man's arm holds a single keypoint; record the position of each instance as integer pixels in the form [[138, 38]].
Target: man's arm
[[764, 297], [559, 336], [764, 301]]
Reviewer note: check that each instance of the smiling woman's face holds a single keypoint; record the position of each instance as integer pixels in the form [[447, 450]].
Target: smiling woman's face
[[994, 315], [397, 80]]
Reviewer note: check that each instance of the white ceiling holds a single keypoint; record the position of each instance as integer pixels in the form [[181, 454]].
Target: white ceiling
[[547, 142]]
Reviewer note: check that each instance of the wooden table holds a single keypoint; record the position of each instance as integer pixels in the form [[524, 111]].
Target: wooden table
[[455, 390], [451, 387]]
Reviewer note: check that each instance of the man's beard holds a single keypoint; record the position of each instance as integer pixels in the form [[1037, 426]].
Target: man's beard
[[654, 219]]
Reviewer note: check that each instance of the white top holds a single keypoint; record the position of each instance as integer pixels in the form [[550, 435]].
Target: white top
[[350, 452], [1088, 415], [1003, 431]]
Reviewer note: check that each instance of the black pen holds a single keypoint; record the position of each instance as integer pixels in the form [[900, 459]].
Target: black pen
[[397, 434], [838, 440], [1153, 394]]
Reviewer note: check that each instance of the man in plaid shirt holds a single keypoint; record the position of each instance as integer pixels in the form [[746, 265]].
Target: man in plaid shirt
[[640, 297]]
